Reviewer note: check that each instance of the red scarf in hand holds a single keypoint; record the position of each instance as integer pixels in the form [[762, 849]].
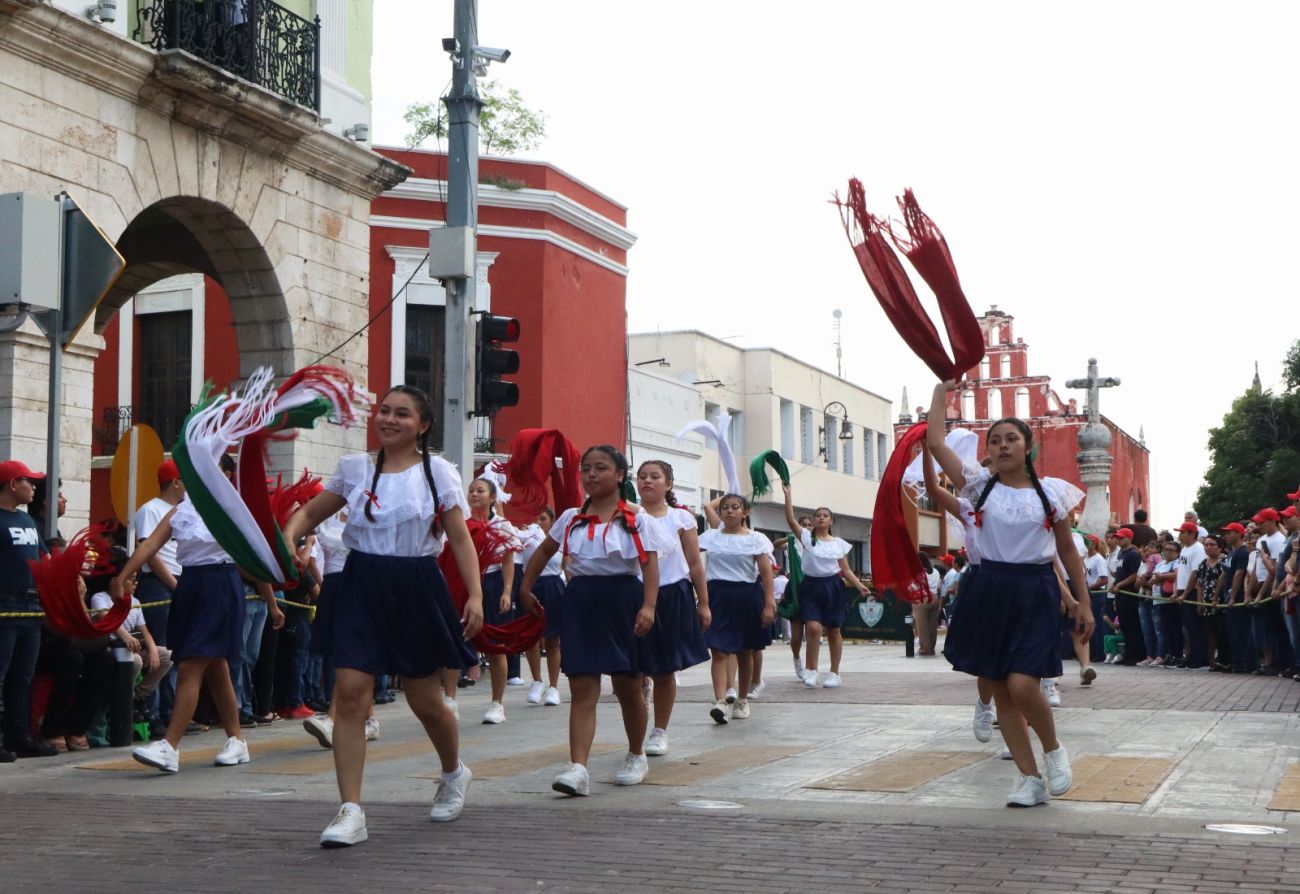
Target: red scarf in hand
[[492, 547], [56, 576], [894, 563], [539, 455]]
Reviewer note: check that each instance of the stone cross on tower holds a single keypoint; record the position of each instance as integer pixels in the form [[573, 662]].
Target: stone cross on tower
[[1094, 452]]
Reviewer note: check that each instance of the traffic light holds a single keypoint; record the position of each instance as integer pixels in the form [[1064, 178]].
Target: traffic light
[[494, 361]]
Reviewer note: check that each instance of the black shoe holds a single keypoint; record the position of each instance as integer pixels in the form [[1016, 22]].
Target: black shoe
[[247, 720], [264, 719], [464, 683], [7, 757], [34, 748], [385, 698]]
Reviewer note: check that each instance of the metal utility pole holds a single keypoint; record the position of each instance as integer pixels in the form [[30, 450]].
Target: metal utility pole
[[463, 106]]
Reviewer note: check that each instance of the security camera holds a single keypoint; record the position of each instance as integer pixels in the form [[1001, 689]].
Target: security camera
[[358, 132], [102, 11], [492, 54], [450, 45]]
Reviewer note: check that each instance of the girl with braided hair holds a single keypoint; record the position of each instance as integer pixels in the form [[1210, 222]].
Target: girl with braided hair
[[606, 610], [391, 611], [1007, 630]]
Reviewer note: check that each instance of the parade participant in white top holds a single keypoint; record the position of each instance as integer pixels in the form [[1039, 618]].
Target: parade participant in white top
[[549, 591], [392, 610], [498, 587]]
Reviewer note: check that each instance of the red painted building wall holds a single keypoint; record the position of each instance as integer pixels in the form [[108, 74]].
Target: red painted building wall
[[1054, 422]]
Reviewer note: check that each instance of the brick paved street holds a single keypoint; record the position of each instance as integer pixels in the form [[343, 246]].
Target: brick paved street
[[878, 785]]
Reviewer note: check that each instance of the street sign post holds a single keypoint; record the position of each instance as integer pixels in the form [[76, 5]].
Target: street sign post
[[133, 480]]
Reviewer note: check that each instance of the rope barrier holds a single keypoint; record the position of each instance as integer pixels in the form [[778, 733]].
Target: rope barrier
[[1215, 605], [249, 598]]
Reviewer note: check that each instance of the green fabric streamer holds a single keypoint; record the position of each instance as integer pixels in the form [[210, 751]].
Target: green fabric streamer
[[758, 474], [789, 606], [628, 491]]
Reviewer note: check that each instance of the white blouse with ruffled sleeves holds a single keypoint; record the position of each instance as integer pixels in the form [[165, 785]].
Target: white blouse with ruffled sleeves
[[821, 558], [734, 557], [603, 548], [195, 544], [1013, 524], [329, 537], [672, 561], [401, 504]]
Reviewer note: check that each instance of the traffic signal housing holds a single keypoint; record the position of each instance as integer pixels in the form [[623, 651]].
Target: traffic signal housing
[[494, 360]]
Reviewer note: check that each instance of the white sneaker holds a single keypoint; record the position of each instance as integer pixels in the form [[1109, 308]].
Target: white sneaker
[[633, 770], [1087, 675], [647, 692], [347, 828], [756, 691], [515, 681], [321, 729], [552, 696], [1057, 771], [451, 703], [159, 754], [983, 725], [809, 679], [740, 710], [798, 669], [1005, 753], [535, 692], [1027, 792], [832, 681], [719, 712], [235, 751], [1051, 692], [731, 696], [450, 799], [573, 781], [1145, 662], [372, 729], [496, 713], [657, 744]]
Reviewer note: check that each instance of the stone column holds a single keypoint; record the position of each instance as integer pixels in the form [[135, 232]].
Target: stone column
[[1094, 470]]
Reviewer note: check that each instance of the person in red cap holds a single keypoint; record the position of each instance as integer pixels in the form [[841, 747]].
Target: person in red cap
[[20, 638], [1190, 556], [160, 577], [1241, 652], [1268, 564]]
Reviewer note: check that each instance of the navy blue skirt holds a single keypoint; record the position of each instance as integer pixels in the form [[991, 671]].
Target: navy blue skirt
[[324, 606], [493, 586], [737, 610], [549, 590], [1008, 622], [597, 625], [821, 599], [207, 614], [676, 641], [392, 615]]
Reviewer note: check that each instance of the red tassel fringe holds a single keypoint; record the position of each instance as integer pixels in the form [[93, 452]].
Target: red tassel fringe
[[56, 576], [492, 547]]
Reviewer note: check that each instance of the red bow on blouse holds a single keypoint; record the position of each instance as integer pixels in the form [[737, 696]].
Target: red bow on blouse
[[629, 519]]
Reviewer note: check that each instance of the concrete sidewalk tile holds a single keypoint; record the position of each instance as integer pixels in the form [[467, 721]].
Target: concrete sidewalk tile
[[1125, 780], [525, 761], [901, 772], [717, 762]]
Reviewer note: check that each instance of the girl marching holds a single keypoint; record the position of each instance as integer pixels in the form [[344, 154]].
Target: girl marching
[[605, 610], [391, 611], [1006, 630], [498, 589], [741, 599], [549, 591], [682, 615], [821, 595]]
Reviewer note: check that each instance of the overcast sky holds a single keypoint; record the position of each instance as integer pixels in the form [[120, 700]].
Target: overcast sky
[[1120, 177]]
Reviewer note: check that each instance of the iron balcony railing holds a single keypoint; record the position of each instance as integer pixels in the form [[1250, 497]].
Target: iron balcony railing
[[257, 40], [116, 421]]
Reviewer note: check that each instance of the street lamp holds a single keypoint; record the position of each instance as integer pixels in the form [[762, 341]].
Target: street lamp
[[846, 428]]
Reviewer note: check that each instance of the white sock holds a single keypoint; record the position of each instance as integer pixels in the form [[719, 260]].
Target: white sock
[[350, 807], [659, 729], [454, 774], [985, 706]]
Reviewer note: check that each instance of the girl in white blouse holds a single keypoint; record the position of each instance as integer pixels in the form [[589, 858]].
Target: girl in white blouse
[[1007, 628], [821, 594], [498, 587], [549, 591], [605, 610], [392, 612], [741, 599]]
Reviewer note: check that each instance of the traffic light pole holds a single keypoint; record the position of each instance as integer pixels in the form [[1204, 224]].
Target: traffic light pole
[[463, 106]]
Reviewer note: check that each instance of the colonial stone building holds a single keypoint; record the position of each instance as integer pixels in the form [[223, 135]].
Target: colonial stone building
[[198, 146]]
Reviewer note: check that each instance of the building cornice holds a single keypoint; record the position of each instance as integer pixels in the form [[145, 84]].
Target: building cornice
[[543, 201]]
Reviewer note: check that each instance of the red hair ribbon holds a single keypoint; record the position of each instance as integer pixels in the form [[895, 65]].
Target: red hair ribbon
[[56, 576]]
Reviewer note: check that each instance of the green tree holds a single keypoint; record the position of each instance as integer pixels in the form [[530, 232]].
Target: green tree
[[1255, 452], [506, 124]]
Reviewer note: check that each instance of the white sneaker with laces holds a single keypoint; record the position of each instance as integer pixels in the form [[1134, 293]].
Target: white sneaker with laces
[[450, 799], [809, 679], [552, 696], [515, 681], [535, 692], [756, 691], [798, 668], [159, 754], [451, 703], [347, 828], [235, 751], [496, 713], [1087, 675], [983, 725], [321, 729], [372, 729], [633, 770], [1051, 692], [573, 782], [657, 744], [719, 712], [1028, 791], [731, 696], [740, 710], [832, 681], [1057, 771]]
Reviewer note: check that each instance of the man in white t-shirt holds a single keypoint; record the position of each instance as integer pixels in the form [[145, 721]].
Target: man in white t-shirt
[[153, 659], [1271, 541], [1190, 558], [159, 577]]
